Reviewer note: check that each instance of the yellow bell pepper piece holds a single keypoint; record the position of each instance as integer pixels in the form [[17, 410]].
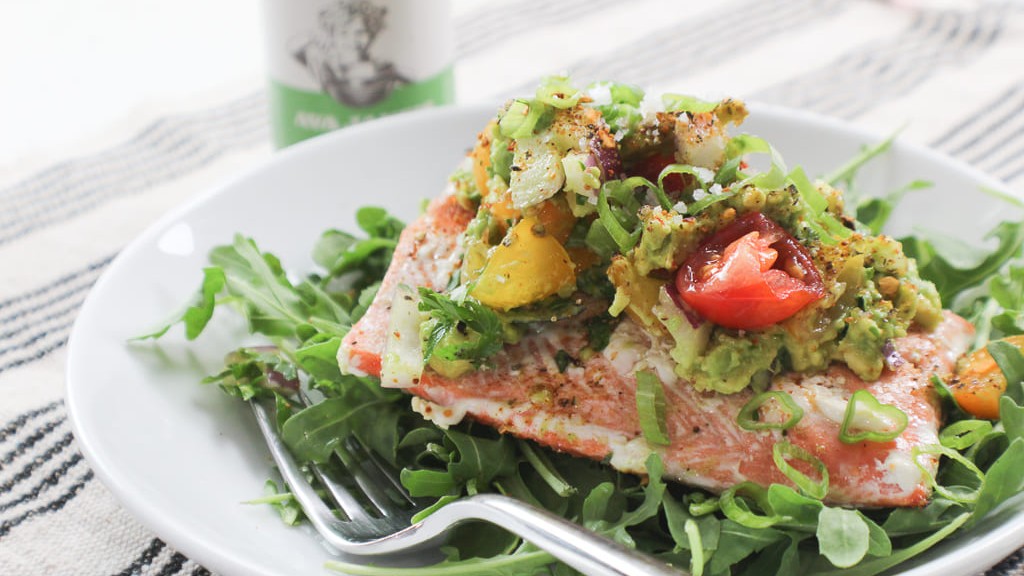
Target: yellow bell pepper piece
[[529, 265]]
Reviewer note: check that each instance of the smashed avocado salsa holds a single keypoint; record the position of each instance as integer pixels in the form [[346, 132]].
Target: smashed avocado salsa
[[606, 203]]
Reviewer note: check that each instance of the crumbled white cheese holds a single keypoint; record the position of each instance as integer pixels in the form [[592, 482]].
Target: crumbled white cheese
[[601, 93]]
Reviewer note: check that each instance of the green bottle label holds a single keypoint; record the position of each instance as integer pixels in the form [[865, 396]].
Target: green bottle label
[[299, 114]]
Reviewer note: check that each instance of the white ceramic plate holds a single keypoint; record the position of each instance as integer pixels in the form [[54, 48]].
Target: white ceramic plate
[[182, 457]]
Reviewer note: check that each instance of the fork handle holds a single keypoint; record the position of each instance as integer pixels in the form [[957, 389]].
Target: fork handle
[[586, 551]]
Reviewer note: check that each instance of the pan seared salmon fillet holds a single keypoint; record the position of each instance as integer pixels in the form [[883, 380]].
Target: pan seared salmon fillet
[[589, 410]]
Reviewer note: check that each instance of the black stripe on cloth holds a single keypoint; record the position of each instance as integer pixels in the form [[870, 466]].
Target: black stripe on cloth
[[964, 138], [53, 506], [1005, 159], [38, 461], [483, 28], [46, 348], [1013, 564], [144, 559], [672, 52], [50, 481], [991, 137], [29, 442], [39, 322], [1000, 149], [882, 70], [38, 299], [1013, 171], [19, 421], [173, 565], [200, 571], [167, 149]]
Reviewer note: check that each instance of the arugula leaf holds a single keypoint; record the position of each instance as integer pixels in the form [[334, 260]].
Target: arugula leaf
[[320, 359], [1002, 480], [313, 433], [845, 174], [874, 212], [953, 267], [282, 501], [843, 536], [481, 459], [252, 372], [736, 542], [1011, 362]]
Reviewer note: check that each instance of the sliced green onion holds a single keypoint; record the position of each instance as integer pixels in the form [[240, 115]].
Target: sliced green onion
[[680, 169], [737, 148], [558, 92], [746, 419], [650, 406], [684, 103], [521, 118], [696, 547], [964, 496], [814, 489], [624, 239], [964, 434], [700, 205], [824, 223], [634, 182], [886, 422], [701, 505], [958, 493], [737, 510]]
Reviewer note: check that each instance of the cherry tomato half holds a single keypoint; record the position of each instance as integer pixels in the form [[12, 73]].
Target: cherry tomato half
[[749, 275], [980, 383]]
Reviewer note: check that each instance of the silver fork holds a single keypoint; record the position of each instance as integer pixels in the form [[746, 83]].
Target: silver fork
[[379, 512]]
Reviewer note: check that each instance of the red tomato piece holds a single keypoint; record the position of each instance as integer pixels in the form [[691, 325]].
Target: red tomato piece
[[749, 275]]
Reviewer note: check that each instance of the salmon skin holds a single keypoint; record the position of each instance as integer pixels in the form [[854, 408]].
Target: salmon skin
[[589, 410]]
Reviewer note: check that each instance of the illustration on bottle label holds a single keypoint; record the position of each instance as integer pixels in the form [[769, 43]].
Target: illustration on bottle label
[[341, 62], [340, 54]]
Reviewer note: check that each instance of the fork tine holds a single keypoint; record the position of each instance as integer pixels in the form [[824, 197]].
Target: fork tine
[[388, 471], [367, 473], [318, 513], [354, 509], [378, 485]]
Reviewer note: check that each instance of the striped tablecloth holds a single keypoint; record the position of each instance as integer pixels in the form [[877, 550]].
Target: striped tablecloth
[[952, 72]]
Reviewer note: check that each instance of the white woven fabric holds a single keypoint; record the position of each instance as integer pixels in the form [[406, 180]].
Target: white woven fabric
[[952, 72]]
